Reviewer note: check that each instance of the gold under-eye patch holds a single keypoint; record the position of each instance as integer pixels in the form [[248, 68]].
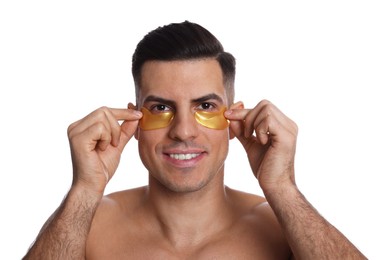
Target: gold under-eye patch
[[213, 120], [151, 121]]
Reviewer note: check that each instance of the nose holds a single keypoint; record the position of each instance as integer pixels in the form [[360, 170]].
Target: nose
[[184, 126]]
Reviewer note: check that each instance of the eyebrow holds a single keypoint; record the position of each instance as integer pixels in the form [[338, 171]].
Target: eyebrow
[[157, 99], [208, 97], [202, 99]]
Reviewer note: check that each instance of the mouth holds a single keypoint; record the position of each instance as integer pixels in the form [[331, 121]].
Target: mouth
[[183, 156]]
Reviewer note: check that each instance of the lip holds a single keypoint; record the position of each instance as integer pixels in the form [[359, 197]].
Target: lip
[[184, 163]]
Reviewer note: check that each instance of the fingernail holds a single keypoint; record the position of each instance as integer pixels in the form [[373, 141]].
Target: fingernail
[[137, 113], [228, 112]]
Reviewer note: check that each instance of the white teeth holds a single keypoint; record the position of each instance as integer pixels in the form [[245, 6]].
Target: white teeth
[[182, 156]]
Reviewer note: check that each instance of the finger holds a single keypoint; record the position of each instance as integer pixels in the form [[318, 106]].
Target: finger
[[250, 120], [236, 119], [107, 116], [128, 128], [103, 140], [130, 124], [127, 114], [237, 129], [263, 119], [97, 136], [262, 130], [118, 114], [236, 114], [88, 126], [240, 124], [113, 126], [98, 115], [253, 120]]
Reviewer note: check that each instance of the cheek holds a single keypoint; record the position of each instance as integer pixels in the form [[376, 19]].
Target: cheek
[[148, 138], [147, 142], [219, 140]]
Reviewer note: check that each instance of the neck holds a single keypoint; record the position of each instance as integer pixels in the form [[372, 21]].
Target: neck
[[187, 218]]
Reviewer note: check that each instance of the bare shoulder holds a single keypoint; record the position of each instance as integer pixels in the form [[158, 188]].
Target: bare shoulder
[[115, 213], [254, 208], [246, 199], [118, 205], [125, 197], [248, 204], [257, 222]]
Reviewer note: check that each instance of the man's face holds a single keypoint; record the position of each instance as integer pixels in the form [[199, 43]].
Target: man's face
[[183, 156]]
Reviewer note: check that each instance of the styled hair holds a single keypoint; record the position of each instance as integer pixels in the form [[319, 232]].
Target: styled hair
[[183, 41]]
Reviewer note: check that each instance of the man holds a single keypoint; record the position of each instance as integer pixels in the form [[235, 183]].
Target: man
[[185, 90]]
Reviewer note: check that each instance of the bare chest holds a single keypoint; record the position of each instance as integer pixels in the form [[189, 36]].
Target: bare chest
[[231, 245]]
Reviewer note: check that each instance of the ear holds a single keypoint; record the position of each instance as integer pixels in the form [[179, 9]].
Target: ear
[[132, 106], [136, 133], [237, 105]]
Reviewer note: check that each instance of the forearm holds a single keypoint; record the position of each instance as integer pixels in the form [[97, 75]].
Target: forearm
[[310, 236], [65, 233]]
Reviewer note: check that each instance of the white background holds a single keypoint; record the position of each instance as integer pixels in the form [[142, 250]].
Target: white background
[[324, 63]]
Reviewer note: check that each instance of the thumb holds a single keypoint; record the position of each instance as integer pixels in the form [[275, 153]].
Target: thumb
[[237, 130], [236, 115], [128, 128]]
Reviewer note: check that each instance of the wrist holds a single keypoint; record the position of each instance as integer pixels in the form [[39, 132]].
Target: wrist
[[83, 192], [91, 186], [281, 192]]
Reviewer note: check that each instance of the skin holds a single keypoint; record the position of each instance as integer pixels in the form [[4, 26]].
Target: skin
[[186, 212], [177, 215]]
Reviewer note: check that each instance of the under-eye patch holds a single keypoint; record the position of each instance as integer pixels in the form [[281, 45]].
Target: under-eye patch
[[151, 121], [213, 120]]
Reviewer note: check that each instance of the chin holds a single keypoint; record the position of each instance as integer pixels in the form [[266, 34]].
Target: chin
[[183, 186]]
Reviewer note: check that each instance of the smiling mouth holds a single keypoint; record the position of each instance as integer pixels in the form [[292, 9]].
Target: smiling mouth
[[183, 156]]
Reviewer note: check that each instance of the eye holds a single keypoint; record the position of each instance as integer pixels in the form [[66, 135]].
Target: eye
[[157, 108], [206, 106]]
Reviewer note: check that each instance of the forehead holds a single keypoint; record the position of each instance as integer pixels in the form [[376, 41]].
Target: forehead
[[180, 80]]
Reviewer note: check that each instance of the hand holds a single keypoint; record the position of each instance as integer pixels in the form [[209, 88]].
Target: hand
[[269, 138], [97, 142]]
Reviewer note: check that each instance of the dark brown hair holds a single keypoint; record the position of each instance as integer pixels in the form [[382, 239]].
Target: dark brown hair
[[183, 41]]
